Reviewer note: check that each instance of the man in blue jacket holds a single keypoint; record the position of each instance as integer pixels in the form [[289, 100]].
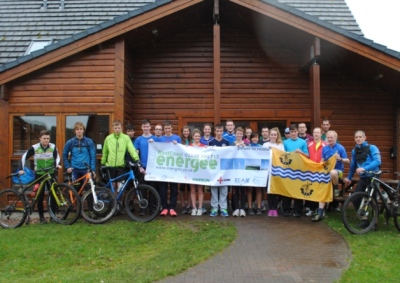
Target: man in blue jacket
[[81, 150], [364, 157]]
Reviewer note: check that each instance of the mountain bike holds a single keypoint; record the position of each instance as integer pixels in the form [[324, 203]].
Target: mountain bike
[[98, 203], [141, 202], [16, 205], [361, 209]]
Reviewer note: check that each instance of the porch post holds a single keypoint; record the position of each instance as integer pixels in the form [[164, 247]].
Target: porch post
[[119, 76], [315, 85], [217, 65], [315, 96]]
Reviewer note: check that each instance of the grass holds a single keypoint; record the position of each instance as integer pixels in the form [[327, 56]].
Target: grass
[[375, 254], [118, 251]]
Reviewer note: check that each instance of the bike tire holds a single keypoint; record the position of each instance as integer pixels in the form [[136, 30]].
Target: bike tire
[[12, 209], [102, 211], [396, 217], [360, 220], [70, 207], [145, 210]]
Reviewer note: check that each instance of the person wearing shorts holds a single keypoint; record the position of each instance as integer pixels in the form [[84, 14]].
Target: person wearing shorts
[[332, 149]]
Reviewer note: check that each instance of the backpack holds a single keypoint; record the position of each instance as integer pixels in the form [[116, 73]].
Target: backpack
[[361, 154]]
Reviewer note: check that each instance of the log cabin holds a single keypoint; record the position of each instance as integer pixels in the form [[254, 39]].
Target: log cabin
[[258, 62]]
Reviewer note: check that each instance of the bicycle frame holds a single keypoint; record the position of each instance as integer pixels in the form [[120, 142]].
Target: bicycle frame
[[131, 177], [88, 179], [387, 188]]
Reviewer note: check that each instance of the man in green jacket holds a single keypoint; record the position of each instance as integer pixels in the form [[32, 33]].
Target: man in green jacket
[[114, 149]]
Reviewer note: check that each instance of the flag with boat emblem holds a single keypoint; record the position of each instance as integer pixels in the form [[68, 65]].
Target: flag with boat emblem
[[294, 175]]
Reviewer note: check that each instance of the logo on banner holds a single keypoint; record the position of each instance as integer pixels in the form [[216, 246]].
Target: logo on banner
[[305, 189], [220, 180], [285, 159], [242, 181], [201, 180]]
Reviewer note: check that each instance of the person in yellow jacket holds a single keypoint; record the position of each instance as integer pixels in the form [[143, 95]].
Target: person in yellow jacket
[[116, 145]]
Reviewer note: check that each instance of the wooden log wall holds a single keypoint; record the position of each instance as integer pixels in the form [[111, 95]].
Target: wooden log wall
[[260, 80], [358, 105], [80, 84], [174, 75]]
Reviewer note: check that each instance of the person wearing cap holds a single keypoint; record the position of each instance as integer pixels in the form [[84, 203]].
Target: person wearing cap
[[294, 144], [287, 134], [130, 131], [264, 135]]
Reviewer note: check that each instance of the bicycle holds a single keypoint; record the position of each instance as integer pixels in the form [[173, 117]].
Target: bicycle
[[361, 209], [142, 202], [98, 203], [16, 208]]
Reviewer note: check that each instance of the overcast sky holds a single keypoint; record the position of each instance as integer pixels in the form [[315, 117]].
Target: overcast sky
[[379, 20]]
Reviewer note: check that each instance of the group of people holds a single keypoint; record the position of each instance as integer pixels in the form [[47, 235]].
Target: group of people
[[321, 146]]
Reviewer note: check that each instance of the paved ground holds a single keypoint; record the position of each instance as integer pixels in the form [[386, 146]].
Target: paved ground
[[283, 249]]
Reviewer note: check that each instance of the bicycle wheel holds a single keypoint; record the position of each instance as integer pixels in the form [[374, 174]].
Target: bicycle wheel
[[101, 211], [396, 216], [143, 203], [359, 214], [69, 207], [12, 209]]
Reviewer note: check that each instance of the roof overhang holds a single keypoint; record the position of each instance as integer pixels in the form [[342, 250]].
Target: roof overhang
[[115, 30], [272, 9], [320, 29]]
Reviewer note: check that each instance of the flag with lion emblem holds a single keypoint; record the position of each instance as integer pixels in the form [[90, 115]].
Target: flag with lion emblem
[[294, 175]]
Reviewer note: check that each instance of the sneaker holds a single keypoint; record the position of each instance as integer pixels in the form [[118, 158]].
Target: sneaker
[[296, 214], [194, 211], [263, 207], [259, 211], [214, 213], [164, 212], [236, 213], [173, 213], [337, 209], [184, 210], [243, 213], [286, 213], [43, 220], [199, 212], [203, 210], [309, 213], [317, 218], [270, 213], [275, 213], [250, 212], [336, 193], [224, 213], [189, 210]]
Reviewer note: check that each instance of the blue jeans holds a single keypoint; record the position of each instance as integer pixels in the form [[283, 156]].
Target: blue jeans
[[219, 200]]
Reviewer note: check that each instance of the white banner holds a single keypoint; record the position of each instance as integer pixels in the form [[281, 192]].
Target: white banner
[[211, 166]]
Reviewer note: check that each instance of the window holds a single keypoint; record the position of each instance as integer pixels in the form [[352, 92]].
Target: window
[[97, 128], [37, 44], [26, 131]]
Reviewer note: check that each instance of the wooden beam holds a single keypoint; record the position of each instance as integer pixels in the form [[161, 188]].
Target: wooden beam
[[119, 78], [94, 39], [320, 32], [4, 92], [5, 144], [315, 95], [311, 54], [217, 70]]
